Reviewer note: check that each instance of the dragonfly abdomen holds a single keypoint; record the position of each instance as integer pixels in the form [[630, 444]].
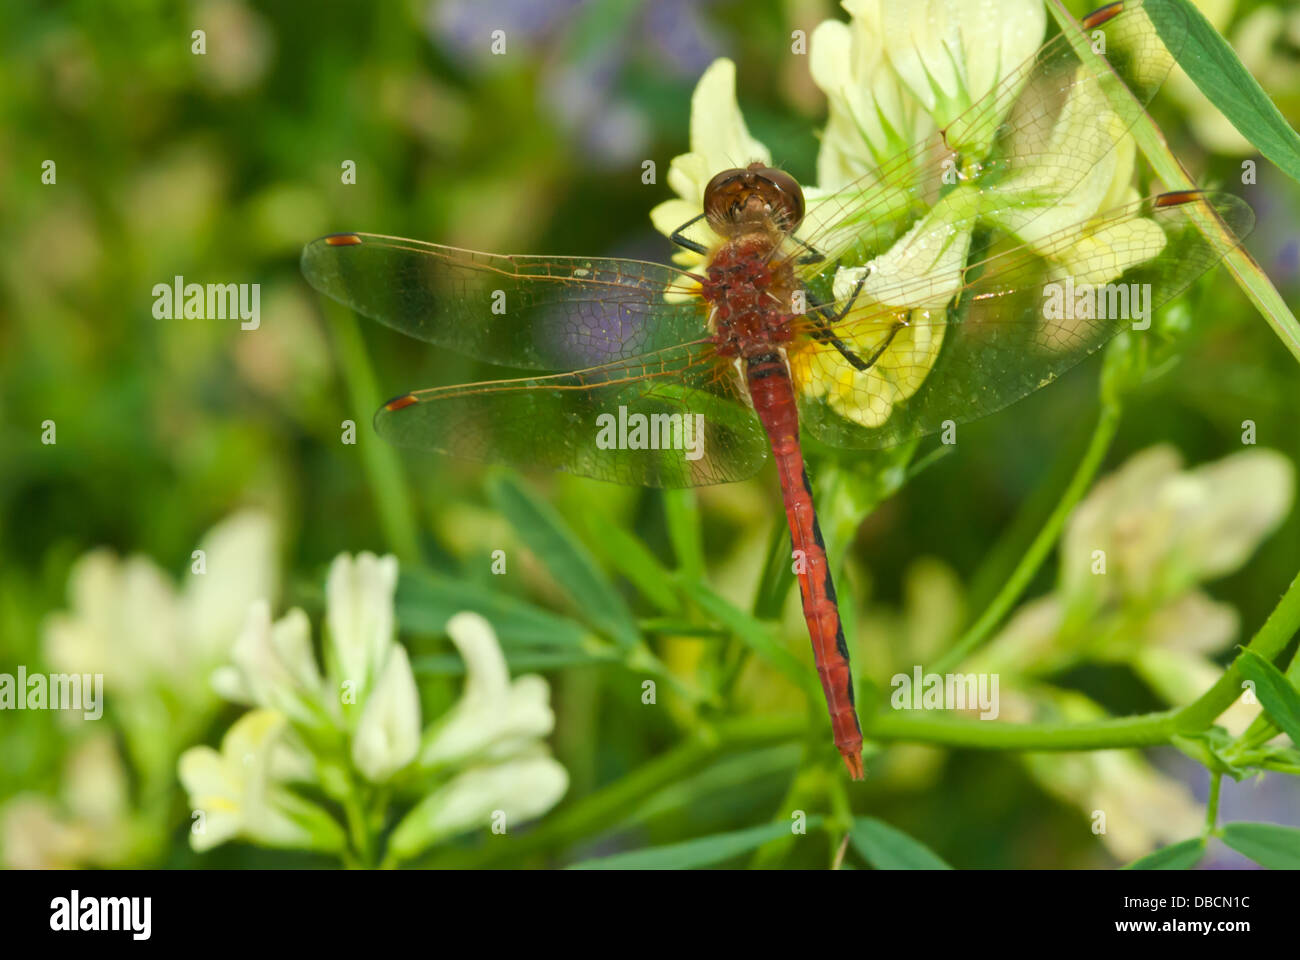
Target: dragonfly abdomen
[[772, 393]]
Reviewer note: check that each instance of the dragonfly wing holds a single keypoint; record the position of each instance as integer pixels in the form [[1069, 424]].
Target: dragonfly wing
[[1019, 317], [1037, 151], [672, 418], [537, 313]]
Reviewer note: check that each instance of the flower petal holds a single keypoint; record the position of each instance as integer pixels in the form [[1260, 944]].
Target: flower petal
[[388, 735], [359, 613], [507, 794]]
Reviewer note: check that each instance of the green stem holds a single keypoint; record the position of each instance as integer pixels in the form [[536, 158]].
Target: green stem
[[805, 786], [357, 828], [1212, 804], [1027, 568], [1269, 641], [382, 467], [1148, 729]]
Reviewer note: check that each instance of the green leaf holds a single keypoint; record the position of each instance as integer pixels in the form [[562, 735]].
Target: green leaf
[[682, 512], [728, 776], [632, 558], [1276, 694], [778, 573], [1215, 69], [545, 533], [888, 848], [702, 852], [756, 635], [1208, 747], [427, 600], [1176, 856], [520, 661], [1268, 844]]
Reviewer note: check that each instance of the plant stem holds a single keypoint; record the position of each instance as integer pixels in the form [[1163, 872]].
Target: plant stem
[[383, 470], [1027, 568], [1149, 729], [357, 827], [1212, 804], [1269, 641]]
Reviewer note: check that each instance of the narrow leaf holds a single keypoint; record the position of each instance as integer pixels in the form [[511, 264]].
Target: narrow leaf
[[1268, 844], [703, 852], [576, 572], [888, 848], [427, 600], [756, 635], [1215, 68], [682, 512], [632, 558], [1176, 856], [1276, 694], [520, 661]]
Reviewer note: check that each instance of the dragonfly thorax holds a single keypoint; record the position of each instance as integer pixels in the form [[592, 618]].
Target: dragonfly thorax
[[749, 288]]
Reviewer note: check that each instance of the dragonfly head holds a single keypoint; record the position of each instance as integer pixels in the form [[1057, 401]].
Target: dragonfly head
[[741, 199]]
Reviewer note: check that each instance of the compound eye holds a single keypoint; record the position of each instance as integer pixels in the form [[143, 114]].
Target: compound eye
[[788, 196], [721, 193], [720, 180]]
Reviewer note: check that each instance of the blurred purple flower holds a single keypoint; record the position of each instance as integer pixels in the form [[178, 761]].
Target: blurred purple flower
[[580, 87]]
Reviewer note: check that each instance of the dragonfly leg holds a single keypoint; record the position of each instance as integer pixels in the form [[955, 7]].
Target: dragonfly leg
[[812, 256], [682, 240], [885, 346], [825, 323]]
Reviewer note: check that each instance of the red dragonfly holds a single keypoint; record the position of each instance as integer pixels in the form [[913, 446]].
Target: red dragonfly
[[950, 281]]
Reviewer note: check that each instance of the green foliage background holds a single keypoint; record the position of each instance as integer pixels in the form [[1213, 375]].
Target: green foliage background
[[218, 169]]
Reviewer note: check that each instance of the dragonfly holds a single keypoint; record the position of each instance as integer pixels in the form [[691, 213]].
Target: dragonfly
[[940, 286]]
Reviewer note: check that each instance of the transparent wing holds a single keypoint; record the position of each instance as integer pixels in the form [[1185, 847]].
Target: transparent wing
[[1010, 321], [1041, 144], [537, 313], [670, 418]]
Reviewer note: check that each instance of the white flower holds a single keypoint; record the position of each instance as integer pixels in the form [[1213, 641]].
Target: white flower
[[91, 826], [899, 71], [1163, 530], [388, 735], [123, 623], [493, 714], [36, 837], [359, 616], [494, 730], [1143, 808], [129, 622], [240, 563], [500, 796], [484, 759], [1132, 553], [241, 791], [274, 666]]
